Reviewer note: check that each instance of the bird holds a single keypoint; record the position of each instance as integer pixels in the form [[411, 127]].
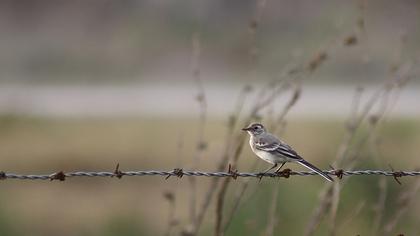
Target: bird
[[273, 150]]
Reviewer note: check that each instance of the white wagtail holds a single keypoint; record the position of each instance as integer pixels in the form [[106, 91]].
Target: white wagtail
[[272, 150]]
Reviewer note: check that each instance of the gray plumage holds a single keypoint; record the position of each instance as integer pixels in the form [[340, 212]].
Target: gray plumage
[[271, 149]]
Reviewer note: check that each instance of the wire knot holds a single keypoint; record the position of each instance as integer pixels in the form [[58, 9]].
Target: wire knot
[[119, 174], [2, 175], [284, 173], [177, 172], [339, 173], [232, 172], [59, 175], [398, 174]]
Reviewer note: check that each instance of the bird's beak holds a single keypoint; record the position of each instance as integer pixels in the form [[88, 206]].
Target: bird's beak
[[245, 129]]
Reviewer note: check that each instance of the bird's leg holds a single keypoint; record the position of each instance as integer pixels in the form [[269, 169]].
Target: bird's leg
[[261, 174], [278, 169], [267, 170]]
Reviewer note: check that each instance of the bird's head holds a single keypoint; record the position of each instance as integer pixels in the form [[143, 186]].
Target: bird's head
[[254, 129]]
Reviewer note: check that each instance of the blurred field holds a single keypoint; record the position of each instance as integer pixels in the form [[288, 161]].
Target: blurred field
[[135, 205], [72, 72]]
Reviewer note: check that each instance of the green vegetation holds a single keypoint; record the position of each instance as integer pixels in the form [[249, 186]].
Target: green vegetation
[[133, 206]]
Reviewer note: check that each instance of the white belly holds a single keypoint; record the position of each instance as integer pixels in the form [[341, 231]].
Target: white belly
[[269, 158]]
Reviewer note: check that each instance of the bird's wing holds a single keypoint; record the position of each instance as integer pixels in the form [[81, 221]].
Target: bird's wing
[[275, 146]]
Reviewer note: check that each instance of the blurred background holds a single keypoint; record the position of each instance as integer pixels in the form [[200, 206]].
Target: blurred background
[[158, 84]]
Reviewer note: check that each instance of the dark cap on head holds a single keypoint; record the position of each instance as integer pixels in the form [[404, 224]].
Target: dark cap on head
[[254, 128]]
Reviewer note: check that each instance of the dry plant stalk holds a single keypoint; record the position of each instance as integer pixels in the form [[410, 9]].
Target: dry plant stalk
[[233, 120], [324, 203], [170, 195], [300, 71], [253, 54], [172, 222], [219, 207], [267, 96], [262, 102], [343, 153], [239, 193], [312, 66], [346, 159], [223, 188], [379, 207], [237, 200], [404, 201], [335, 199], [272, 217], [362, 13], [252, 29], [330, 194], [354, 214], [200, 145]]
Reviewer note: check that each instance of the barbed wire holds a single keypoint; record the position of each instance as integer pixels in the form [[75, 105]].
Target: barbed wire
[[286, 173]]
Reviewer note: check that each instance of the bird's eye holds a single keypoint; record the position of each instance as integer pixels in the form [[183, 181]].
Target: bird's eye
[[256, 127]]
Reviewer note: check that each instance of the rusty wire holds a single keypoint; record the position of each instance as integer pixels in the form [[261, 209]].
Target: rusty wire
[[179, 173]]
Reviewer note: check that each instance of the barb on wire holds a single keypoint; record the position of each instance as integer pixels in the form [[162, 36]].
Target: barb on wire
[[2, 175], [233, 172], [396, 174], [179, 173], [337, 172], [59, 175], [119, 174]]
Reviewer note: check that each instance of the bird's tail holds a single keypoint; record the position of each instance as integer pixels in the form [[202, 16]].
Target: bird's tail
[[314, 168]]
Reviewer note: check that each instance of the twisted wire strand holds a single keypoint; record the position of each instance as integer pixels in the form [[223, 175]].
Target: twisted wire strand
[[179, 173]]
